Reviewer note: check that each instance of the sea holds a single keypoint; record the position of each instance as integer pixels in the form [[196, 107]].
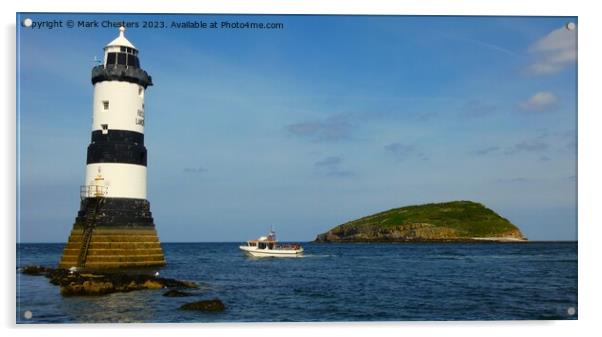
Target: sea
[[330, 283]]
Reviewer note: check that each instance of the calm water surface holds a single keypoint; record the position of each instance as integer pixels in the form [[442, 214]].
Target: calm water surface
[[332, 282]]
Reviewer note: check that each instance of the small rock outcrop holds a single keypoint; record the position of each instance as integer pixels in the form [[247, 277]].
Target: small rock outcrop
[[214, 305], [35, 270], [176, 293]]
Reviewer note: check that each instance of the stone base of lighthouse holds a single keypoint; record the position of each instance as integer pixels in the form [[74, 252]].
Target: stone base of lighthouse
[[123, 235]]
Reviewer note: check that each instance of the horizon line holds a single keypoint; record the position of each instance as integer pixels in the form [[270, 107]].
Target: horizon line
[[312, 241]]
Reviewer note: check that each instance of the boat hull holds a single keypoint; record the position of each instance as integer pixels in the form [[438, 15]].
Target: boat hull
[[252, 251]]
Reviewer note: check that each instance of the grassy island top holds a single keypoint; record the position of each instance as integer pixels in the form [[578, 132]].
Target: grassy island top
[[455, 219]]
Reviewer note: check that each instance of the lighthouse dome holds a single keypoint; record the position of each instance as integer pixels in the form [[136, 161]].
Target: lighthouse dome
[[120, 41], [121, 52]]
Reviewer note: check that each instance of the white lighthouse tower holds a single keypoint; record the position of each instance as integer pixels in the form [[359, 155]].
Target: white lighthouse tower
[[114, 227], [118, 120]]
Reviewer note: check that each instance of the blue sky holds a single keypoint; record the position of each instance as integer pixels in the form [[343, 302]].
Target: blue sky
[[303, 128]]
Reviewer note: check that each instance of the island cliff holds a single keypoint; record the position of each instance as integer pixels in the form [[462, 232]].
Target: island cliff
[[448, 221]]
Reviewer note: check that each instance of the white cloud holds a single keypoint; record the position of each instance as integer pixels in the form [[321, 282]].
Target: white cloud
[[539, 101], [554, 51]]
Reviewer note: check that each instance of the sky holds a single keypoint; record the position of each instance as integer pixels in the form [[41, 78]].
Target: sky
[[323, 121]]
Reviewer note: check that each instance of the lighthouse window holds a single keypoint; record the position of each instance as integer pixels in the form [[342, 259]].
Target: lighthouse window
[[111, 58], [105, 128], [121, 58], [132, 60], [105, 105]]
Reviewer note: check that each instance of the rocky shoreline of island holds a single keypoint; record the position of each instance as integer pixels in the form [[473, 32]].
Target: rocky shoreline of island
[[411, 241]]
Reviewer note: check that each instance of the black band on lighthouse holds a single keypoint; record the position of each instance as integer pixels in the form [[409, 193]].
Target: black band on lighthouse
[[121, 73], [117, 146], [116, 212]]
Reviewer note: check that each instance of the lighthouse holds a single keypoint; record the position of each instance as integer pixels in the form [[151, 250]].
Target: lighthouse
[[114, 227]]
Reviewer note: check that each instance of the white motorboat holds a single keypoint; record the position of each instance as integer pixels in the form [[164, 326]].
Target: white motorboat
[[268, 246]]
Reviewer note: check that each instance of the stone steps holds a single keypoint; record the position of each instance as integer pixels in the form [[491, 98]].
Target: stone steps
[[115, 245], [116, 258], [116, 265], [112, 248], [115, 251], [115, 238]]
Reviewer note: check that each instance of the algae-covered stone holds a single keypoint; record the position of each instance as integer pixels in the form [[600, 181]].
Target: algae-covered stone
[[176, 293], [152, 284], [213, 305], [35, 270]]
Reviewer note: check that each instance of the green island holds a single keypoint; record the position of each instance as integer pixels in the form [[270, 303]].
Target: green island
[[454, 221]]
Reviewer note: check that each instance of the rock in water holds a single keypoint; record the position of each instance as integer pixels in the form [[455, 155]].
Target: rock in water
[[442, 222], [213, 305], [87, 288], [176, 293], [35, 270]]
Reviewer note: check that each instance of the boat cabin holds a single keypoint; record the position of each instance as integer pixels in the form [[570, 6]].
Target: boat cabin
[[262, 244]]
